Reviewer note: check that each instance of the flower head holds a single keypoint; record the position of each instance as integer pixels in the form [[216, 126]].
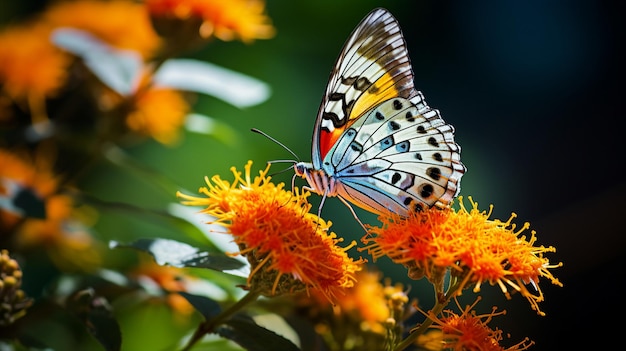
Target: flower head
[[157, 112], [20, 174], [60, 229], [289, 249], [474, 248], [13, 300], [469, 331], [121, 23], [225, 20], [30, 67], [169, 280], [361, 317], [367, 305]]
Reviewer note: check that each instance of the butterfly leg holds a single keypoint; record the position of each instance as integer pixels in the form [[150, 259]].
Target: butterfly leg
[[353, 213], [319, 209], [323, 200], [293, 182]]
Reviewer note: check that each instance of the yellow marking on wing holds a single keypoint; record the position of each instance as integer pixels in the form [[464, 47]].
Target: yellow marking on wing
[[383, 89]]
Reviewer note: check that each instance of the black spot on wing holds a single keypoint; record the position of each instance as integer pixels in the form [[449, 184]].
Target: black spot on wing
[[358, 83], [386, 143], [362, 84], [336, 96], [395, 178], [418, 207], [397, 104], [348, 80], [434, 173], [355, 146], [409, 116], [403, 146], [432, 141], [393, 125], [426, 190]]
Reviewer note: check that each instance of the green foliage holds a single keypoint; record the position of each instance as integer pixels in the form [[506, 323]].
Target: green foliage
[[252, 337], [177, 254]]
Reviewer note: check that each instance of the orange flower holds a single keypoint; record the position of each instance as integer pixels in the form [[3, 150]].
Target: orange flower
[[289, 249], [30, 67], [159, 113], [364, 317], [170, 279], [474, 248], [367, 305], [225, 20], [470, 332], [20, 171], [61, 233], [121, 23], [369, 299]]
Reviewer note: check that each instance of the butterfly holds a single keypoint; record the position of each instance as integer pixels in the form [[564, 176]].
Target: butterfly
[[376, 143]]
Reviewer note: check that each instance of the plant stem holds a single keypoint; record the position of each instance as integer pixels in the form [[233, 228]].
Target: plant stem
[[422, 328], [208, 326], [455, 286]]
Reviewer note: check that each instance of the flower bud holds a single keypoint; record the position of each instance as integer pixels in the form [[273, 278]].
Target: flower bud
[[13, 300]]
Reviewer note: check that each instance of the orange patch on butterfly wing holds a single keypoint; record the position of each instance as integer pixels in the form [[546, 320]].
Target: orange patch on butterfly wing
[[383, 89], [328, 139]]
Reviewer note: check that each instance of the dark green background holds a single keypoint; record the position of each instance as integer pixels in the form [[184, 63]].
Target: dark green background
[[535, 92]]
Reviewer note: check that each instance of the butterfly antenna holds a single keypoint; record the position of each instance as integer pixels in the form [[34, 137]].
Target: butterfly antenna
[[277, 142], [282, 170]]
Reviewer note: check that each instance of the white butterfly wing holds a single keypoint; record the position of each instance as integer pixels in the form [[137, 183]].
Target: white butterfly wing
[[375, 138], [399, 157], [373, 66]]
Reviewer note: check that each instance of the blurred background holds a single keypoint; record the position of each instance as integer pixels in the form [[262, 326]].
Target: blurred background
[[534, 90]]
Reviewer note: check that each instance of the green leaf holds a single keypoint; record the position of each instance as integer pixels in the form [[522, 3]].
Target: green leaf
[[230, 86], [95, 314], [116, 68], [202, 124], [177, 254], [207, 307], [253, 337], [119, 69]]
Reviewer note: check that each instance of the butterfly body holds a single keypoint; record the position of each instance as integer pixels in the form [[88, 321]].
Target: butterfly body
[[376, 143]]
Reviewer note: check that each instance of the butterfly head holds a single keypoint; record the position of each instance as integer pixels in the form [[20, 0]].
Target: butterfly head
[[301, 168], [319, 182]]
